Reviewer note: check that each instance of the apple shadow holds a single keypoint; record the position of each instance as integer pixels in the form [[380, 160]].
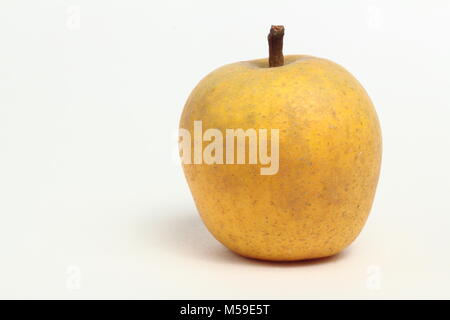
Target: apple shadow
[[183, 233]]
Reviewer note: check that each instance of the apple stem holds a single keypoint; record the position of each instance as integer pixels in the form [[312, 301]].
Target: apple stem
[[275, 39]]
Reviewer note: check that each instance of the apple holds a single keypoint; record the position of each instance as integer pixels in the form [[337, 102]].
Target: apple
[[312, 127]]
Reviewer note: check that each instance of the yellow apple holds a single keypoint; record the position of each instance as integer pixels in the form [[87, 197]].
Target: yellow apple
[[315, 203]]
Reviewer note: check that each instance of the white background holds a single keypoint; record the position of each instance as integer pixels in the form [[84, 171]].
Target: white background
[[92, 204]]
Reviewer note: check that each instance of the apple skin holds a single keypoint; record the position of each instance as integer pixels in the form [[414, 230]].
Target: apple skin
[[329, 158]]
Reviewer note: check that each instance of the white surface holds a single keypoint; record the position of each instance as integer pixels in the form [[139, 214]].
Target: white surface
[[92, 204]]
